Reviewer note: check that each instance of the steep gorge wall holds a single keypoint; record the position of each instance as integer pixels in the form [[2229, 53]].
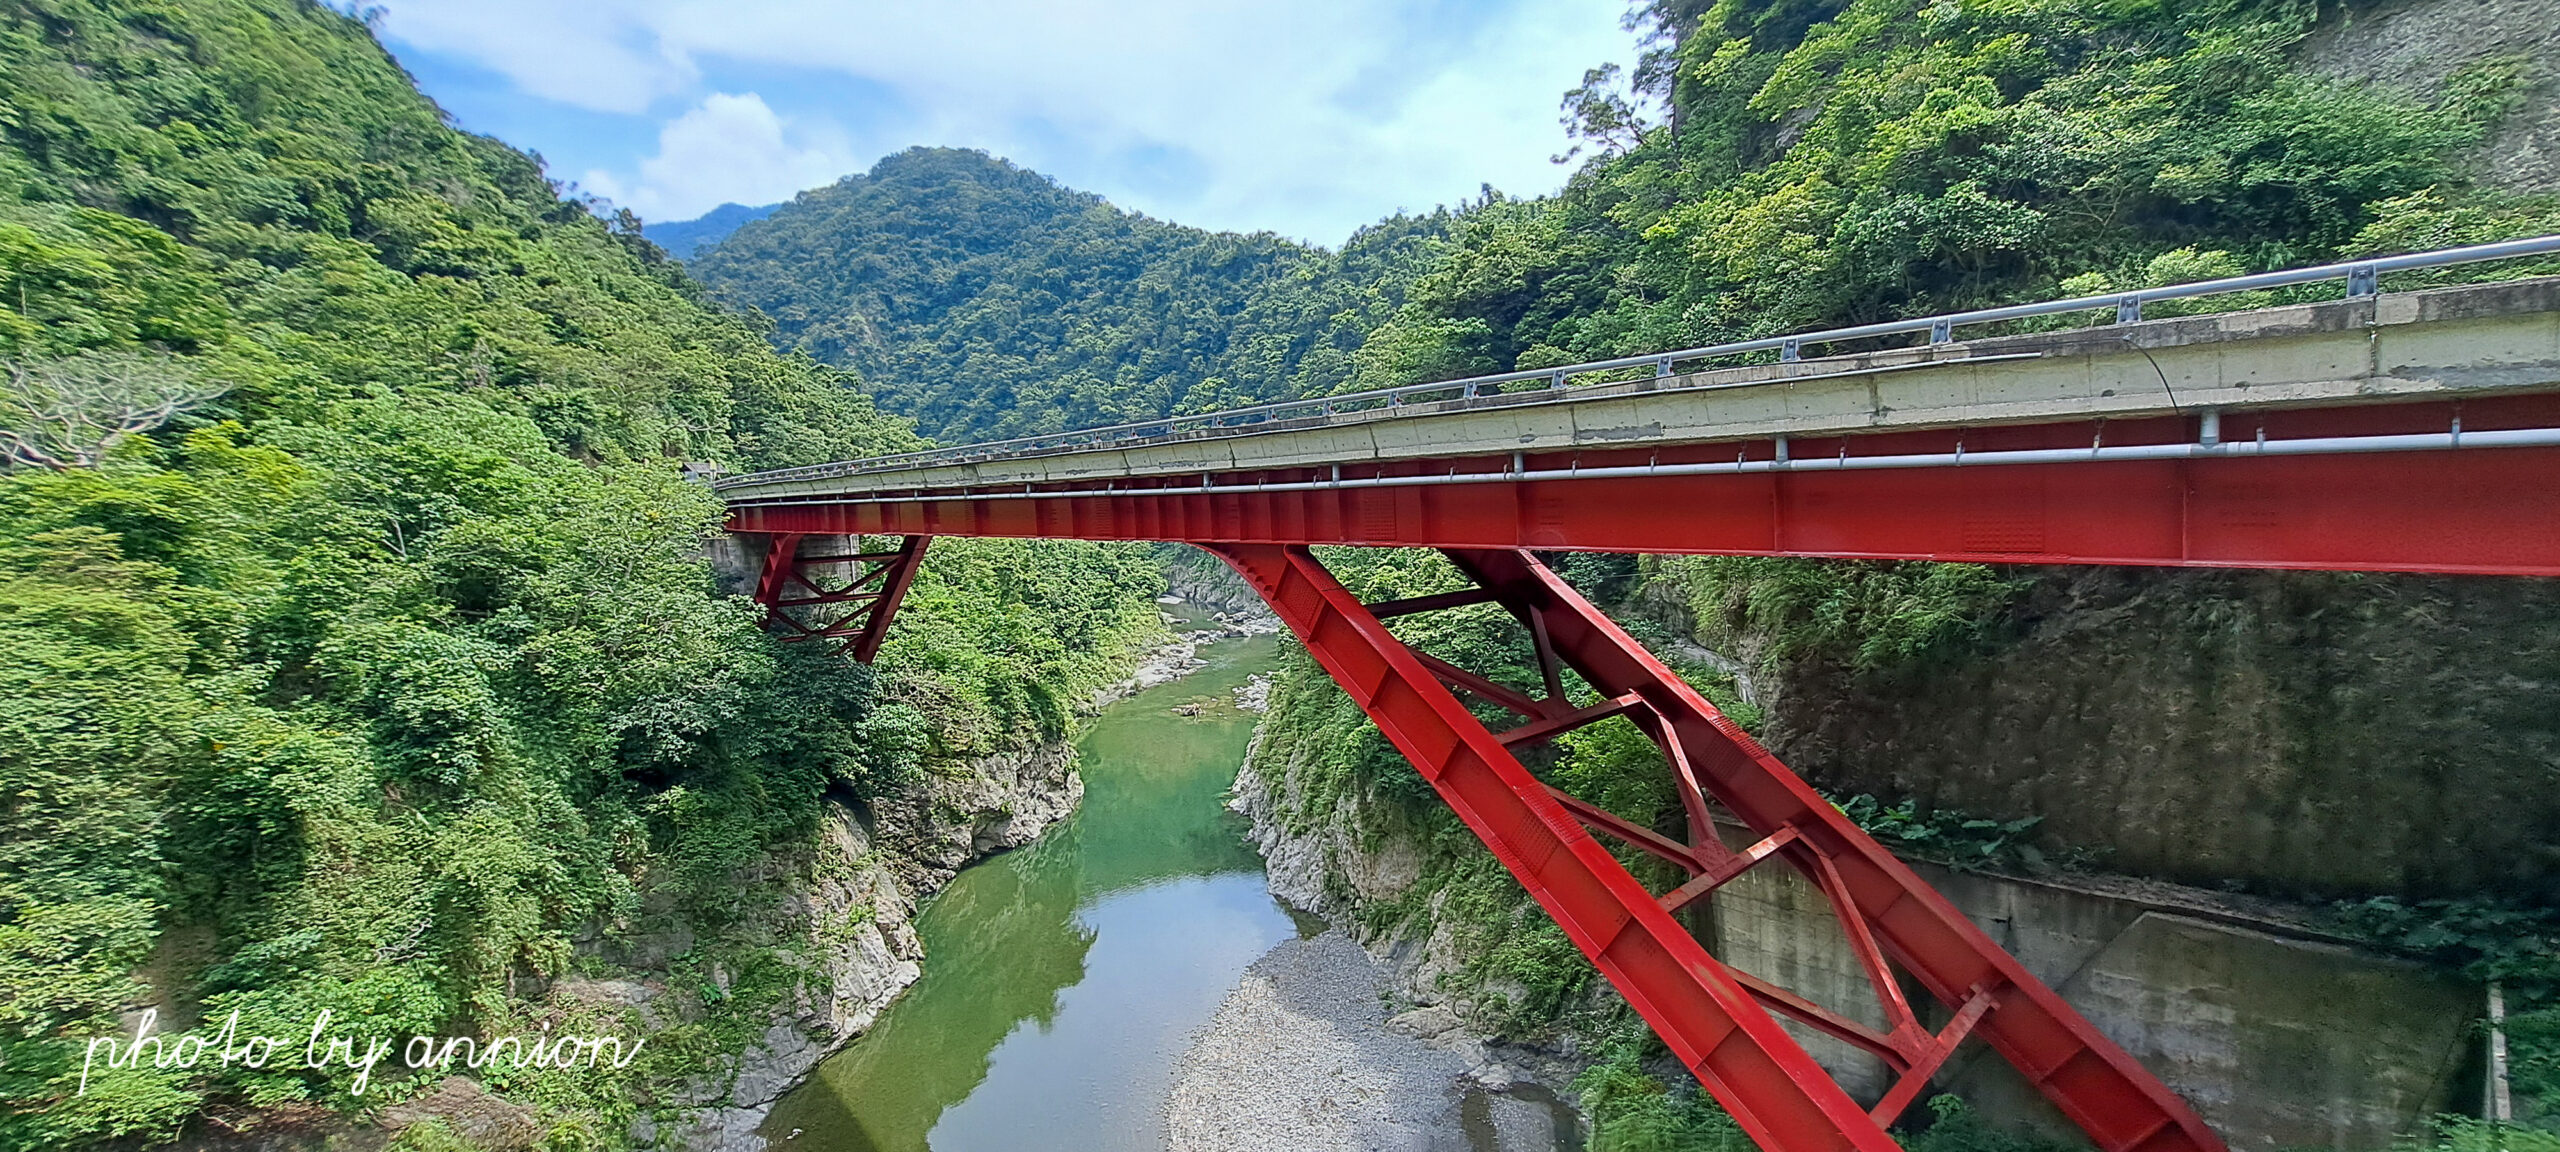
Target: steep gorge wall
[[2306, 735], [1205, 580], [2309, 734], [2281, 1037], [844, 914]]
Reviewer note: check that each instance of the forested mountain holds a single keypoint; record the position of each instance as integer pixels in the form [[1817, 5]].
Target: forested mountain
[[1813, 164], [985, 300], [357, 649], [685, 239]]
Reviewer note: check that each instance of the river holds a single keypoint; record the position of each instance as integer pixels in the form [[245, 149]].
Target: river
[[1062, 980]]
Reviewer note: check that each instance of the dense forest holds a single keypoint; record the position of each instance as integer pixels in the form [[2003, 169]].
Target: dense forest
[[357, 648], [986, 301], [1825, 164]]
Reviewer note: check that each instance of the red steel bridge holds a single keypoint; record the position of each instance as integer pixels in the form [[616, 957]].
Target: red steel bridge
[[2404, 431]]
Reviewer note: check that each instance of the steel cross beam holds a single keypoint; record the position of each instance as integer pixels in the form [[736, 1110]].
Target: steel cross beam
[[1715, 1018], [800, 598]]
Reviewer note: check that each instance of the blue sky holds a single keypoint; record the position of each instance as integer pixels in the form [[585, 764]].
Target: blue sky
[[1304, 117]]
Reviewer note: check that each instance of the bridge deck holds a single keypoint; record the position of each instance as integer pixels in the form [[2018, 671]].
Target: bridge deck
[[2445, 344]]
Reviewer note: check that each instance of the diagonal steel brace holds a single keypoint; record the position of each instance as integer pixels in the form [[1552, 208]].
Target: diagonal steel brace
[[796, 591], [1716, 1019]]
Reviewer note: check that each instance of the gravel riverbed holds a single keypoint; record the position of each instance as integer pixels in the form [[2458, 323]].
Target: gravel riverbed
[[1303, 1058]]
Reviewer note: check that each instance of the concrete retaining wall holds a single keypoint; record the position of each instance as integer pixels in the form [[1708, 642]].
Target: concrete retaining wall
[[2278, 1040]]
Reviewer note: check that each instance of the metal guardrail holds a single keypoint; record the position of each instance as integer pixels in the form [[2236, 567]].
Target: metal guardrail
[[2363, 278]]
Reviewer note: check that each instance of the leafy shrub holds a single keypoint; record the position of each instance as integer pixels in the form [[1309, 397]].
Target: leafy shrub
[[1948, 837]]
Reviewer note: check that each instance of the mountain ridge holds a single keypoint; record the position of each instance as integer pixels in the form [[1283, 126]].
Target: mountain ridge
[[985, 299], [685, 239]]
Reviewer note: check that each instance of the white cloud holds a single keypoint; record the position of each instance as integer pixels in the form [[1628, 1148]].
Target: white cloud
[[728, 148], [594, 56], [1306, 116]]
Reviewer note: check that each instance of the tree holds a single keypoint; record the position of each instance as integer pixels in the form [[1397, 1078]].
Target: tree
[[1598, 113], [67, 413]]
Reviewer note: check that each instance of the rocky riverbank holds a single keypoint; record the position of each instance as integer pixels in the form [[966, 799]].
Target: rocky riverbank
[[1339, 858], [1200, 624], [1303, 1057]]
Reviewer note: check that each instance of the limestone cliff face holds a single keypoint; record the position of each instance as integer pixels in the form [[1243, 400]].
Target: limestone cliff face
[[1339, 859], [1205, 580]]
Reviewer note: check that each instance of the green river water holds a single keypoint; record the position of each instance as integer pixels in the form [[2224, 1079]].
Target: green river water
[[1062, 980]]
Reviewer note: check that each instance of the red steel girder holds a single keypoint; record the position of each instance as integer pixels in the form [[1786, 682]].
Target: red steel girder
[[2491, 511], [791, 587], [1716, 1019]]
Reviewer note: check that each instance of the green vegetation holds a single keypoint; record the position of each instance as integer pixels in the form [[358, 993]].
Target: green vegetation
[[2464, 1134], [1881, 619], [2513, 944], [1844, 162], [987, 301], [356, 648], [357, 651], [1819, 164], [1632, 1110]]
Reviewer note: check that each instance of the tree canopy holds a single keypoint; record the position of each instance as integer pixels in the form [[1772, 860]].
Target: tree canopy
[[1840, 162]]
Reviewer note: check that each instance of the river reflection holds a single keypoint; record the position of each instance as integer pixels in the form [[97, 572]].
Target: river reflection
[[1061, 980]]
